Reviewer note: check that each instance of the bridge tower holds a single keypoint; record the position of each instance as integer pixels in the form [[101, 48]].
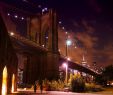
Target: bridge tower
[[46, 36], [53, 54]]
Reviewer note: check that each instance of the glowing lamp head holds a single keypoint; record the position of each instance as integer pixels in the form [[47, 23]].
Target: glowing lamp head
[[65, 65], [68, 42]]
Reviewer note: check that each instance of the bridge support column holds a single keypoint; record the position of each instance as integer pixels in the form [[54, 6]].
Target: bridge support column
[[53, 54], [52, 66]]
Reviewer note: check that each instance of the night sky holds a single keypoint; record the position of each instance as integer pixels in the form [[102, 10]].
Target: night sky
[[91, 21]]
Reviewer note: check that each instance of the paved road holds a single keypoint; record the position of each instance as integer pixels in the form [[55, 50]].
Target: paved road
[[108, 91], [59, 93]]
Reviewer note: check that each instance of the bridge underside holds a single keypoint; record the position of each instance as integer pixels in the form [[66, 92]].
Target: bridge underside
[[36, 62], [78, 67], [39, 63]]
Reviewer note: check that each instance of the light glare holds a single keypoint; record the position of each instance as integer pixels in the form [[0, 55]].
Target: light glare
[[68, 42]]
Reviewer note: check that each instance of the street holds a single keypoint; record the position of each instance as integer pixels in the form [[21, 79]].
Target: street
[[108, 91]]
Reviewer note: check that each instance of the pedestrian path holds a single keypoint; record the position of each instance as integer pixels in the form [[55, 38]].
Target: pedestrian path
[[30, 92]]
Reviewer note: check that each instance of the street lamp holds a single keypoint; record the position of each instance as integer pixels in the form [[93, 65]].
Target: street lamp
[[65, 65], [68, 43]]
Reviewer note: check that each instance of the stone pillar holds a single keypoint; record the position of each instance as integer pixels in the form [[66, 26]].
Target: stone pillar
[[34, 68], [26, 68], [55, 34]]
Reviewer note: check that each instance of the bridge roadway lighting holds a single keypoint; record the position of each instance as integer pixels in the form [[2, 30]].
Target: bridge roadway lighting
[[11, 33], [68, 59]]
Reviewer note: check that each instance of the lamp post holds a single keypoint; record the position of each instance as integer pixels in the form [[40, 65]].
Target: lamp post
[[65, 65], [68, 43]]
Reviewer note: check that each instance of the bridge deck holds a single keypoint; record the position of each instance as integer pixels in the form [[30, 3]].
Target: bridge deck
[[78, 67], [22, 41], [25, 42]]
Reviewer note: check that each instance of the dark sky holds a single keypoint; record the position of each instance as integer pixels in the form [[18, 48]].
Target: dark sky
[[92, 17]]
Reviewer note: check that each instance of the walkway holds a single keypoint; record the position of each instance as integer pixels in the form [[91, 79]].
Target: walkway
[[59, 93]]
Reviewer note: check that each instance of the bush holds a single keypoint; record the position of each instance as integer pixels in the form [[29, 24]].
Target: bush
[[93, 87], [56, 85], [77, 85], [51, 85]]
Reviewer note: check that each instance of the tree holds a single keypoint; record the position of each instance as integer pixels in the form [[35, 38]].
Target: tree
[[107, 75]]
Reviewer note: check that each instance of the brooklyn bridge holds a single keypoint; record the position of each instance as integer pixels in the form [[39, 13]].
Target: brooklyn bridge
[[30, 44]]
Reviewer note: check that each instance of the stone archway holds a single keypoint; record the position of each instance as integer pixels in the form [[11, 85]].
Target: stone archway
[[4, 81]]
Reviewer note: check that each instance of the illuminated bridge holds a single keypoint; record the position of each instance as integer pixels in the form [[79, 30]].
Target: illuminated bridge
[[30, 44], [17, 39]]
